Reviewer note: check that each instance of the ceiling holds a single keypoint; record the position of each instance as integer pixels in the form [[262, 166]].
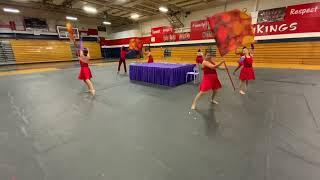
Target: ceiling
[[119, 11]]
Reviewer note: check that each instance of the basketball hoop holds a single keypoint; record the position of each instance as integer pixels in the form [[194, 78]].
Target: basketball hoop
[[64, 34]]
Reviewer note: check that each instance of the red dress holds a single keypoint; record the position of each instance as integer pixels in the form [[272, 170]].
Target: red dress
[[150, 59], [210, 80], [85, 72], [247, 72], [199, 59]]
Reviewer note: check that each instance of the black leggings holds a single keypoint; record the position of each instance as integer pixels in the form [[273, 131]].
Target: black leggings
[[124, 63]]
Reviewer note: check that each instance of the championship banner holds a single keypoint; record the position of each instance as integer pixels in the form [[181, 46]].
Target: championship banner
[[167, 30], [200, 30], [183, 36], [169, 38], [302, 11], [157, 31], [271, 15], [199, 26]]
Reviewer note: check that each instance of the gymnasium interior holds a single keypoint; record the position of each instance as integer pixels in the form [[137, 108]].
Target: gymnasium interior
[[139, 124]]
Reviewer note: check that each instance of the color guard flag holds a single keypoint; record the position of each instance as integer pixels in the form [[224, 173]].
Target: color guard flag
[[70, 31], [231, 29], [135, 44]]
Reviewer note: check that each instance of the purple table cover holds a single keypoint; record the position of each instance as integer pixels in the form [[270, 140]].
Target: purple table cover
[[161, 73]]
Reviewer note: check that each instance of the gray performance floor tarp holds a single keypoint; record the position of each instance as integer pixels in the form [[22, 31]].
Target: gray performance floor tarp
[[50, 129]]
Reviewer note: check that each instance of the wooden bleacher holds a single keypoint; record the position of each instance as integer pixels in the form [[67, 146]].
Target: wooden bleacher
[[30, 51], [180, 54], [295, 53], [95, 49], [303, 53]]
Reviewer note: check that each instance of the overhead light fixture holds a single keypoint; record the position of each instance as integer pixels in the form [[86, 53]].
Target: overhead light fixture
[[135, 16], [163, 9], [106, 23], [90, 9], [11, 10], [71, 18]]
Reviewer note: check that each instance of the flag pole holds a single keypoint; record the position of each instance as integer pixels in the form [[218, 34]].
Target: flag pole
[[227, 69]]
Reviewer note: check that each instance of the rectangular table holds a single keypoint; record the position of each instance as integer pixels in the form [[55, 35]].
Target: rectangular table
[[161, 73]]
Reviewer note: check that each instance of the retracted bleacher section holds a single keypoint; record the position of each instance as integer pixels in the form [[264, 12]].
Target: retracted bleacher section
[[31, 51], [297, 53], [306, 53], [95, 49]]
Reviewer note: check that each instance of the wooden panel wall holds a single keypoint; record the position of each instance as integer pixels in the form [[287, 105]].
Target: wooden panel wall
[[30, 51], [95, 49], [307, 53], [179, 54]]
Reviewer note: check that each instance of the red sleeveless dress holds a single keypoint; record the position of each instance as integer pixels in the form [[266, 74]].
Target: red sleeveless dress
[[247, 72], [85, 72], [210, 80], [150, 59], [199, 58]]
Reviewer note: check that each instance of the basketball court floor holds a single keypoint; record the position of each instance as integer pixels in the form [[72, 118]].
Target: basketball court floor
[[52, 130]]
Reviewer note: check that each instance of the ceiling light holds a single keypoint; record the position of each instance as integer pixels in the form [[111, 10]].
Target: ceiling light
[[71, 18], [106, 23], [11, 10], [135, 16], [90, 9], [163, 9]]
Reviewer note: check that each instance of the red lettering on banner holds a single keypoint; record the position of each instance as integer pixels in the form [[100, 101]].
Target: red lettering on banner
[[303, 11]]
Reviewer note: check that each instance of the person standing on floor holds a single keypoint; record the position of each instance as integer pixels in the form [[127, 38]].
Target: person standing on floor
[[242, 57], [85, 72], [149, 55], [210, 80], [247, 71], [199, 61], [123, 55]]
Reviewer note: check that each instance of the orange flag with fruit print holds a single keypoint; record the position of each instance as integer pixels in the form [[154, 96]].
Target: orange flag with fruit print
[[231, 29]]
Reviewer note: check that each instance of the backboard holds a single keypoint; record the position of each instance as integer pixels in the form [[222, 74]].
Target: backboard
[[64, 34]]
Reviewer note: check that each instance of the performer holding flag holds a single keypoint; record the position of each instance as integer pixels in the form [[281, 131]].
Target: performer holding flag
[[231, 29], [84, 57], [210, 80], [85, 72]]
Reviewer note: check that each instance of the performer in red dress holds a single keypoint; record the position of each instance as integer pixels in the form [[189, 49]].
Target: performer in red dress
[[85, 72], [150, 58], [123, 55], [247, 71], [210, 81], [199, 61], [199, 58]]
